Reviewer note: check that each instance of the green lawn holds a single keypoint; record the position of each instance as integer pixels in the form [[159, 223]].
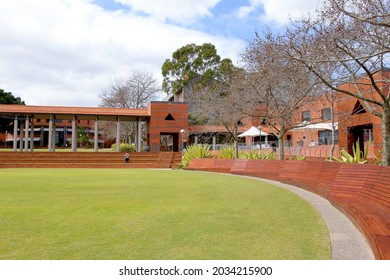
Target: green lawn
[[153, 214]]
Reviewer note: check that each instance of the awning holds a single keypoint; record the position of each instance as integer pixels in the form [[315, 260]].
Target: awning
[[323, 126]]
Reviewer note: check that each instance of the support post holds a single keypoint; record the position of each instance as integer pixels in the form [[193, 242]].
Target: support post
[[74, 134], [26, 134], [139, 134], [54, 135], [15, 143], [118, 134], [32, 137], [50, 140], [21, 136], [42, 136], [214, 143], [96, 139]]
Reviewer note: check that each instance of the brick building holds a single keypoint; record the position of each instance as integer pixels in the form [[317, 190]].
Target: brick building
[[168, 128], [57, 126], [357, 122]]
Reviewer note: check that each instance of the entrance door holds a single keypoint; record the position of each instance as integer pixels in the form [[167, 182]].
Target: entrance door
[[358, 133], [169, 142]]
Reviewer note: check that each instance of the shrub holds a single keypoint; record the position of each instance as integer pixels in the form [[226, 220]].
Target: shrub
[[357, 156], [195, 151], [299, 157], [226, 152], [124, 147], [258, 155]]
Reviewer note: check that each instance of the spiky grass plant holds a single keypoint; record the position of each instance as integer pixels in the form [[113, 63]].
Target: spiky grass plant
[[357, 156], [196, 151]]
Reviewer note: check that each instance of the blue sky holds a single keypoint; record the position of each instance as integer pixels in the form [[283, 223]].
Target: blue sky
[[223, 20], [65, 52]]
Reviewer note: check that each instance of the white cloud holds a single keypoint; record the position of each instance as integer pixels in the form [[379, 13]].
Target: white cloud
[[179, 11], [64, 52], [244, 11], [280, 11]]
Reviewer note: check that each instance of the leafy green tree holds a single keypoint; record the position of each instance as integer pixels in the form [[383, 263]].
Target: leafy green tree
[[207, 84], [194, 63], [82, 137], [8, 98]]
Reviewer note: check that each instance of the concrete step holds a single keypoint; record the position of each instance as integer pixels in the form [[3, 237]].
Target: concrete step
[[87, 160]]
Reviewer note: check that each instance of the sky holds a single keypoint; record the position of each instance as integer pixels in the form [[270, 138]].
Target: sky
[[66, 52]]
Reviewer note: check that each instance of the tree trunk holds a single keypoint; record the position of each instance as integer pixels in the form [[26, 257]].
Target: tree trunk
[[282, 132], [333, 133], [386, 136], [235, 148], [281, 148]]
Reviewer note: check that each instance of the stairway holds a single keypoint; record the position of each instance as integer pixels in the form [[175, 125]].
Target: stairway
[[87, 160]]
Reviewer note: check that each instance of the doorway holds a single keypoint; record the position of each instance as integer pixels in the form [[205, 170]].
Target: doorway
[[169, 142], [361, 134]]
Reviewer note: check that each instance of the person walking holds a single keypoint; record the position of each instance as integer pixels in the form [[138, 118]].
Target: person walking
[[273, 145]]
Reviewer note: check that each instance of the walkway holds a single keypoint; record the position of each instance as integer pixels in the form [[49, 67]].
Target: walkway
[[347, 242]]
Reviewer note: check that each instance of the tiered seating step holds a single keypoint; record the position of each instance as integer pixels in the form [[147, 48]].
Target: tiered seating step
[[87, 160]]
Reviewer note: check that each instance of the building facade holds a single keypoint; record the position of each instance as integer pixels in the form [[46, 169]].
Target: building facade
[[331, 121]]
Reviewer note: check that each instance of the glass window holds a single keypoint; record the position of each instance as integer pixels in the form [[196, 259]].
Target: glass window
[[325, 137], [326, 114], [306, 116]]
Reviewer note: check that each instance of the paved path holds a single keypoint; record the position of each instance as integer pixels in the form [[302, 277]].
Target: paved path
[[347, 242]]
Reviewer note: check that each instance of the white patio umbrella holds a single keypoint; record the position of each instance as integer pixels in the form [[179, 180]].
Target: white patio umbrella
[[253, 132]]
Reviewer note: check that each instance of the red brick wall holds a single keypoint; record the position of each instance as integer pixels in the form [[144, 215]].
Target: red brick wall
[[346, 106], [159, 124], [306, 135]]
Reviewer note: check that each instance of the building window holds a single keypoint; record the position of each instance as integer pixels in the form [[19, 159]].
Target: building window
[[325, 137], [38, 120], [306, 116], [358, 109], [326, 114], [169, 117]]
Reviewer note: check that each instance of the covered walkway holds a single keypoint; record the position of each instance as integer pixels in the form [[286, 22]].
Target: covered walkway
[[23, 124]]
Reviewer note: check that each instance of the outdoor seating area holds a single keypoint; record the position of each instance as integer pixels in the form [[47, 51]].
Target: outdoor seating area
[[89, 160], [362, 192]]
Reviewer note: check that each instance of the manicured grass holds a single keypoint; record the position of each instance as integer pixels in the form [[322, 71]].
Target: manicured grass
[[153, 214]]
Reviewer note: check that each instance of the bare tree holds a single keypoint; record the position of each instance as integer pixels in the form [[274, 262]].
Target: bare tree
[[136, 91], [222, 102], [279, 83], [349, 43]]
